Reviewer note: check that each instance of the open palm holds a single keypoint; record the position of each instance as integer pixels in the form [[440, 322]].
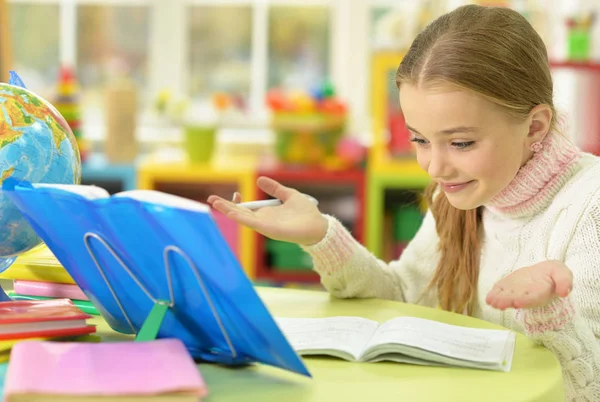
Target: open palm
[[297, 220], [532, 286]]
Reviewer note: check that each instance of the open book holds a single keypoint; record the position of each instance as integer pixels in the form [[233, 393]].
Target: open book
[[92, 192], [402, 339]]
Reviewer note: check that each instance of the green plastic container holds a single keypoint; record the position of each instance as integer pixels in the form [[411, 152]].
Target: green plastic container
[[578, 44], [199, 142], [288, 256], [407, 221]]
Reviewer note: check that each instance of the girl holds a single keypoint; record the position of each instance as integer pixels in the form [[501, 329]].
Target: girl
[[512, 234]]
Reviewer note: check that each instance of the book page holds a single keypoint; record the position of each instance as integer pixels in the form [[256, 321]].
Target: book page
[[38, 255], [169, 200], [474, 344], [347, 334], [89, 192], [156, 197]]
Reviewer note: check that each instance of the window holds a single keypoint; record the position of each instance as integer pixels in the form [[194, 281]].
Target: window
[[220, 50], [35, 50], [298, 47], [192, 47], [112, 43], [241, 47]]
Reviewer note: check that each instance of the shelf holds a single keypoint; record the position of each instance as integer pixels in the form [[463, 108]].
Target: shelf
[[196, 181], [290, 276], [401, 173], [322, 181], [316, 177], [117, 176], [313, 175], [266, 273], [182, 171], [577, 65]]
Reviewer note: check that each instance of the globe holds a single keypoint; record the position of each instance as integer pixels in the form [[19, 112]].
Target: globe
[[37, 145]]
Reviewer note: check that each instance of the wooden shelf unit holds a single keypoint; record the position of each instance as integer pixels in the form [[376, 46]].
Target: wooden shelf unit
[[311, 179], [97, 170], [592, 66], [200, 181]]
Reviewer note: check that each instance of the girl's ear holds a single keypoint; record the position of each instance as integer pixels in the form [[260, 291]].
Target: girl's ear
[[540, 119]]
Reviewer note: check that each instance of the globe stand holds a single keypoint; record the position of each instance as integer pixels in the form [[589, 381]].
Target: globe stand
[[5, 263]]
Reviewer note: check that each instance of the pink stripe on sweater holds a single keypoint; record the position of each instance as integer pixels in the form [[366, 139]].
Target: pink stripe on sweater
[[538, 181], [550, 317], [334, 250]]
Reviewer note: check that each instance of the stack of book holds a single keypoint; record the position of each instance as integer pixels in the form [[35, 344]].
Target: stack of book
[[48, 355], [38, 275], [38, 264], [22, 320]]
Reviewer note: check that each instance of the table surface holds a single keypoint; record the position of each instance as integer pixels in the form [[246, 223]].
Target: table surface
[[535, 374]]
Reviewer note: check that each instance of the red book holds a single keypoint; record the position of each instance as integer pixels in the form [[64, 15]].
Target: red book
[[42, 318]]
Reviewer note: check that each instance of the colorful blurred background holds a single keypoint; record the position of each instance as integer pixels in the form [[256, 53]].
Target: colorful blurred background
[[199, 97]]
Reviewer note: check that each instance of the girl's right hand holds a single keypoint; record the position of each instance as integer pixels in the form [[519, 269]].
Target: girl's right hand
[[296, 220]]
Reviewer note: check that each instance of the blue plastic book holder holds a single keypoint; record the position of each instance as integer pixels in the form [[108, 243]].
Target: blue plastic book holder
[[157, 271]]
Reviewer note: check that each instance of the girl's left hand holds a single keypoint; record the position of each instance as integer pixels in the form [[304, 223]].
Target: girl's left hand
[[532, 286]]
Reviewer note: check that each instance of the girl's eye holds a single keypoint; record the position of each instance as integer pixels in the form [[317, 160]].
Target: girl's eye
[[463, 145], [418, 141]]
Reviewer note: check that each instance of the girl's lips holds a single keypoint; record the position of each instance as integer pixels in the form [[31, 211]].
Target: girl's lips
[[454, 187]]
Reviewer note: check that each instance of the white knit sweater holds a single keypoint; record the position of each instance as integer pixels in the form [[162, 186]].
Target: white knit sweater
[[551, 211]]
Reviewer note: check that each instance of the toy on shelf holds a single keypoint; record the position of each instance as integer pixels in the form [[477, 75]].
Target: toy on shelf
[[391, 140], [308, 127], [579, 35], [349, 153], [399, 144], [170, 109], [229, 103], [67, 103]]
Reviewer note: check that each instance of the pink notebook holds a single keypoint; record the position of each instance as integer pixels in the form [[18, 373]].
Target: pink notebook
[[48, 289], [160, 367]]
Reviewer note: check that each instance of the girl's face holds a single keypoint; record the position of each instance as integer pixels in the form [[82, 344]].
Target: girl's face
[[466, 143]]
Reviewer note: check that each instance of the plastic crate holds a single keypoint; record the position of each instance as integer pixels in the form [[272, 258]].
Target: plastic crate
[[288, 256], [407, 221]]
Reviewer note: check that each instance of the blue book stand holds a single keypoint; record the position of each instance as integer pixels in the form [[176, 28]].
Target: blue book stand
[[157, 271]]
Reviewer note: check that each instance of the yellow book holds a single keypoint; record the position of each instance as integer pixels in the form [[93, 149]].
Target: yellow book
[[38, 264], [7, 345]]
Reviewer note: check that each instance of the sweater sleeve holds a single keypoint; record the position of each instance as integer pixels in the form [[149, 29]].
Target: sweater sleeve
[[347, 269], [570, 327]]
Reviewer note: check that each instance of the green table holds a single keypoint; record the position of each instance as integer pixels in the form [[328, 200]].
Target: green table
[[535, 374]]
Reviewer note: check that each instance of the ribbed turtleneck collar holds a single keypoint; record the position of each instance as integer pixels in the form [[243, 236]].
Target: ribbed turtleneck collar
[[539, 180]]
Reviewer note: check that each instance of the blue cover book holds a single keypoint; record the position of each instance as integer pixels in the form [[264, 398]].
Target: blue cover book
[[132, 249]]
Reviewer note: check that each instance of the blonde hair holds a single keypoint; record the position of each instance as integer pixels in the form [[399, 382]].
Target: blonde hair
[[496, 53]]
